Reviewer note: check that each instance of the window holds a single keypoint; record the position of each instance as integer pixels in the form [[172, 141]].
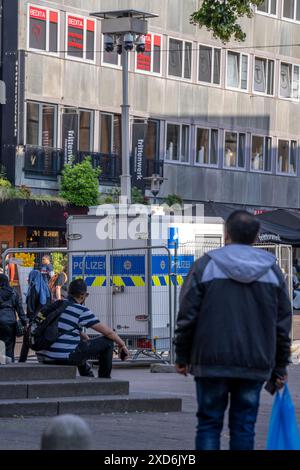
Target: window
[[287, 157], [85, 131], [291, 10], [43, 29], [264, 76], [207, 146], [209, 65], [261, 153], [110, 134], [80, 38], [269, 7], [150, 60], [41, 124], [289, 81], [178, 143], [237, 70], [180, 58], [77, 130], [235, 149]]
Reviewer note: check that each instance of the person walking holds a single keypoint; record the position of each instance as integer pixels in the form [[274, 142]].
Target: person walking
[[75, 347], [38, 295], [10, 305], [47, 268], [232, 333]]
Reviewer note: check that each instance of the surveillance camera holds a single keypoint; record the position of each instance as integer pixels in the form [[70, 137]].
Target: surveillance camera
[[108, 43], [140, 43], [128, 42]]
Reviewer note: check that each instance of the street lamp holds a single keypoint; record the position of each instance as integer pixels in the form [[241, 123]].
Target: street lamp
[[124, 29]]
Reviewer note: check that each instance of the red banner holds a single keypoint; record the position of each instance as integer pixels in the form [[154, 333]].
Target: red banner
[[53, 17], [74, 22], [38, 13], [90, 25]]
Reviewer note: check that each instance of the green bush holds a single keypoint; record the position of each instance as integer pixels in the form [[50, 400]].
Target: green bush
[[173, 199], [4, 183], [80, 183], [59, 261]]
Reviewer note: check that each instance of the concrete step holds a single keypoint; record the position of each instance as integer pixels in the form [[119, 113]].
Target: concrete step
[[89, 405], [27, 372], [79, 387]]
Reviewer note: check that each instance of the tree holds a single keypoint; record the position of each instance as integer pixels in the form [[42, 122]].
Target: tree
[[221, 17], [80, 183]]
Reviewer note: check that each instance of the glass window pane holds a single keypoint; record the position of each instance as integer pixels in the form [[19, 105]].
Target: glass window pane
[[205, 64], [110, 58], [230, 159], [233, 67], [242, 150], [173, 139], [105, 133], [144, 58], [296, 78], [293, 160], [152, 140], [85, 131], [214, 147], [283, 156], [175, 57], [270, 84], [273, 9], [297, 10], [260, 75], [90, 45], [75, 36], [53, 37], [188, 60], [117, 139], [156, 54], [257, 153], [268, 154], [264, 6], [185, 144], [48, 129], [285, 80], [202, 146], [217, 66], [288, 9], [244, 73], [32, 127], [37, 32]]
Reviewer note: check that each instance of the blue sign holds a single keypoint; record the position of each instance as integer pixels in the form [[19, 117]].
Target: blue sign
[[160, 264], [94, 266], [173, 239], [127, 265]]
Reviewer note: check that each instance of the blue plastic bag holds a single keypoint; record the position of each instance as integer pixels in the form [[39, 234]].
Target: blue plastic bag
[[283, 429]]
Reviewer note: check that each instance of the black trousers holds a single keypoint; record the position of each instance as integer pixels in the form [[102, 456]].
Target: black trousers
[[8, 336], [100, 348], [25, 347]]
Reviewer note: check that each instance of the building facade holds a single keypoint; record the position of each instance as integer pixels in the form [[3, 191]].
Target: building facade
[[220, 122]]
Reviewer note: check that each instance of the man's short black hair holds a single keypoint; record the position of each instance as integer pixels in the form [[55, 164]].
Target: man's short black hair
[[242, 227], [77, 287]]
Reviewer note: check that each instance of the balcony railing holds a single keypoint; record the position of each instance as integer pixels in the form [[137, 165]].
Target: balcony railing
[[48, 162], [45, 162]]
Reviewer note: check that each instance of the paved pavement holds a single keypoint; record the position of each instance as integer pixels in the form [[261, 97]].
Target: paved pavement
[[145, 431]]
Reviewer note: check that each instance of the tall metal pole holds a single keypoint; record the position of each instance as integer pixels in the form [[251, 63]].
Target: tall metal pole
[[125, 177]]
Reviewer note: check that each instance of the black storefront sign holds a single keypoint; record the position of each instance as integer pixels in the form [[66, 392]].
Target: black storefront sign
[[139, 132], [70, 135]]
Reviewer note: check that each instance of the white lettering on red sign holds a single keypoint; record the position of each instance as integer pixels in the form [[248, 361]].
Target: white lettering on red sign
[[37, 13], [75, 22]]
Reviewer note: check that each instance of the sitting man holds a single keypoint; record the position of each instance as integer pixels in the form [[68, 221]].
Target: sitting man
[[74, 347]]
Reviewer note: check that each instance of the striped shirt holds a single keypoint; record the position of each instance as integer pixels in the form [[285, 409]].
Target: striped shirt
[[70, 324]]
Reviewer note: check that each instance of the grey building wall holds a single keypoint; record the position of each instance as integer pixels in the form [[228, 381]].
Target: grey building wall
[[67, 82]]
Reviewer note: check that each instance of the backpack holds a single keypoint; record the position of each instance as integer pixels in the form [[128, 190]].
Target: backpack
[[43, 330]]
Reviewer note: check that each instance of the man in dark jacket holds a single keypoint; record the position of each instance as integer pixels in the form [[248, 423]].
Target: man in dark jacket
[[233, 333], [10, 303]]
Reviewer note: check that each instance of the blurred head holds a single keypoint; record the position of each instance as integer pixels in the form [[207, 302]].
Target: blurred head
[[241, 227], [67, 432], [78, 290], [4, 282], [46, 259]]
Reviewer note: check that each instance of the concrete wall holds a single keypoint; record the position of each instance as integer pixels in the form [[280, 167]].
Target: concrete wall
[[67, 82]]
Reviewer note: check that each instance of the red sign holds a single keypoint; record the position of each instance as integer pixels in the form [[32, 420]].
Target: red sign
[[144, 59], [90, 25], [157, 41], [53, 17], [75, 22], [37, 13]]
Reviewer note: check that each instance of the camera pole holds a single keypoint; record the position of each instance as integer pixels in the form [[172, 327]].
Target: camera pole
[[125, 177]]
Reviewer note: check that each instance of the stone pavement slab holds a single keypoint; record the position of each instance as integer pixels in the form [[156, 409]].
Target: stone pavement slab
[[144, 431]]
